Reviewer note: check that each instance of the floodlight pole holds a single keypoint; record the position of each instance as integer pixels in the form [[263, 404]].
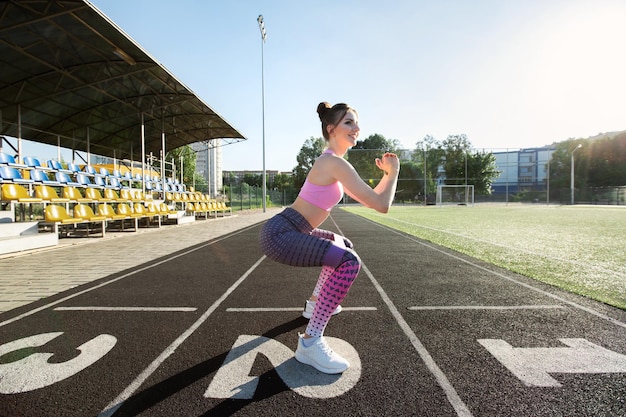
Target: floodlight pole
[[572, 173], [548, 179], [263, 37], [425, 188]]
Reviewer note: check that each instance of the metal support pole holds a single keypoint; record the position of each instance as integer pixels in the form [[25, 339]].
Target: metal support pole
[[263, 37], [572, 174]]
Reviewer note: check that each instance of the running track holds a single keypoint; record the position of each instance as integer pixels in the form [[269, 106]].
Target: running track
[[210, 331]]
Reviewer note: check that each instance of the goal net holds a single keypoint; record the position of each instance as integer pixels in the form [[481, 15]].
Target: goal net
[[460, 195]]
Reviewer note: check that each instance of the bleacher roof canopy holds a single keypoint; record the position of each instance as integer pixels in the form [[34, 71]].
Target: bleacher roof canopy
[[69, 72]]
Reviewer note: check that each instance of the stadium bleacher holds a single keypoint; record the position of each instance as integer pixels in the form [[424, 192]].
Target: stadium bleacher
[[72, 200]]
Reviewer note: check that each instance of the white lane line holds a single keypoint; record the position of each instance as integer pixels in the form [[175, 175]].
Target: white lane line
[[141, 378], [121, 277], [523, 284], [150, 309], [268, 309], [453, 397], [526, 307]]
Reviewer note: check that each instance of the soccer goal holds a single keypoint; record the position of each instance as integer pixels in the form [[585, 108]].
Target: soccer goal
[[460, 195]]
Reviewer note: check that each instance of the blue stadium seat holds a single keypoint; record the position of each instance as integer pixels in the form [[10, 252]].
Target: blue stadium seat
[[12, 174], [56, 165], [72, 167], [114, 183], [90, 170], [34, 163], [64, 178], [100, 182], [41, 177], [9, 160], [83, 179]]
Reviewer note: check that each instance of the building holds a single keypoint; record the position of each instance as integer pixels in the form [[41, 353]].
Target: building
[[522, 170], [209, 165]]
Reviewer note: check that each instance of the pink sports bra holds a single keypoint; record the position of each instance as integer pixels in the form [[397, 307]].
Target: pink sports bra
[[322, 196]]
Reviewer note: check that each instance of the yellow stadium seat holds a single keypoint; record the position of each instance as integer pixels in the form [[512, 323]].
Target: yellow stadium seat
[[17, 193], [49, 195], [139, 208], [221, 205], [164, 209], [74, 195], [127, 195], [83, 211], [58, 216], [107, 211], [112, 195], [94, 195], [125, 209]]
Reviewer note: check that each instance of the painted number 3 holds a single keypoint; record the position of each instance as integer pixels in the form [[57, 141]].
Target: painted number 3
[[34, 371]]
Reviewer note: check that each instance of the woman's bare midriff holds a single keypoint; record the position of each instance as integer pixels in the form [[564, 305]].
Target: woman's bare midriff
[[313, 214]]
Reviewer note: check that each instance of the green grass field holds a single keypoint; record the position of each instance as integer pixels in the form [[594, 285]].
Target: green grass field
[[580, 249]]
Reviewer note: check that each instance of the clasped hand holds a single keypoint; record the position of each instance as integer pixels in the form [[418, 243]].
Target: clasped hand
[[389, 163]]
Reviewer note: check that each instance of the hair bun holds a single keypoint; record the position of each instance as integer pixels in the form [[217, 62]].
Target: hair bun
[[322, 109]]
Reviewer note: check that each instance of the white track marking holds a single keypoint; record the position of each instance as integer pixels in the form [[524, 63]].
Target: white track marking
[[527, 307], [269, 309], [141, 378], [453, 397], [523, 284], [104, 284], [129, 309]]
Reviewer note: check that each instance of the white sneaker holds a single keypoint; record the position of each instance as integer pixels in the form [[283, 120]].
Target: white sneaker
[[309, 306], [320, 356]]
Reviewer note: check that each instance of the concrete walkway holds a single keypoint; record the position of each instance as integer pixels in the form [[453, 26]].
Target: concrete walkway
[[33, 275]]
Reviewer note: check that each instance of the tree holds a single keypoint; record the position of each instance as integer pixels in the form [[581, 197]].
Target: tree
[[409, 184], [282, 182], [255, 180], [429, 155], [363, 154], [458, 161], [188, 157], [310, 151], [457, 149], [598, 163], [200, 183], [607, 161], [560, 164], [482, 170]]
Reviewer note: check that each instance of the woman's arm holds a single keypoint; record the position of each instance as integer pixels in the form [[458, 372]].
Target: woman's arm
[[379, 198]]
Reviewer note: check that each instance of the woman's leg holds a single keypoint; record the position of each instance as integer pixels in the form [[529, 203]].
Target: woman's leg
[[338, 240], [327, 270], [288, 238], [333, 291]]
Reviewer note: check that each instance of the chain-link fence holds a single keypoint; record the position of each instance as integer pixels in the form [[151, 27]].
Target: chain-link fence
[[519, 175], [246, 197], [409, 191]]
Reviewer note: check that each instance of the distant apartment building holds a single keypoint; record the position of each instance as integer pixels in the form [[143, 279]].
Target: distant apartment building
[[521, 170], [209, 165]]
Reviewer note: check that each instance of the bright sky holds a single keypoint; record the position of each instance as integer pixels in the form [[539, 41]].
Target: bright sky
[[508, 74]]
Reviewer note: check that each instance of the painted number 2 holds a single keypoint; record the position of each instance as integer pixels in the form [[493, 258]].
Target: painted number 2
[[34, 371], [233, 379]]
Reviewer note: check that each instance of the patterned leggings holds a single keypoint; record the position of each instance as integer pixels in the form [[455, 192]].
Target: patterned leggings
[[288, 238]]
